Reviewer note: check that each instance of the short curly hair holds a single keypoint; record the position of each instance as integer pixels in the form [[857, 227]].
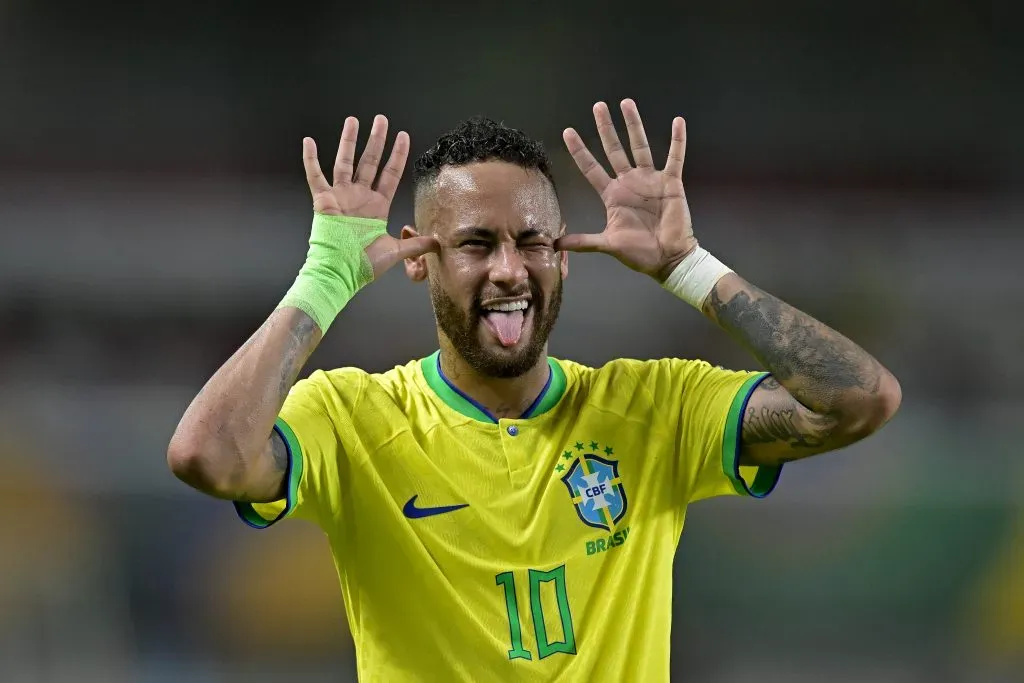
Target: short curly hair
[[481, 139]]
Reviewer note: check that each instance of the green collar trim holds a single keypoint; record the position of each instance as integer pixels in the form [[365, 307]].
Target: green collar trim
[[465, 405]]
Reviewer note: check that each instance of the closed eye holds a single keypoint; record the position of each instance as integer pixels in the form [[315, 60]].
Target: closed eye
[[534, 239]]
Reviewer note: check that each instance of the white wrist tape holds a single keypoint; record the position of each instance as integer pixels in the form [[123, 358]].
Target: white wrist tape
[[695, 277]]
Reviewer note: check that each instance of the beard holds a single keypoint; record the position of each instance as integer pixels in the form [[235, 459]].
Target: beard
[[462, 329]]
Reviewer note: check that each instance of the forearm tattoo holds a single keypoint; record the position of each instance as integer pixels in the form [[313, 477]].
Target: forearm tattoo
[[303, 335], [296, 352], [817, 365]]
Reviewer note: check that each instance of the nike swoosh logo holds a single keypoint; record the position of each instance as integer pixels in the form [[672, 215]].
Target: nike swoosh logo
[[412, 512]]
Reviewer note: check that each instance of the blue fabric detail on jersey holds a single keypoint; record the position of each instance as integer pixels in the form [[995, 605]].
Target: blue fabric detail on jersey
[[533, 406], [540, 396], [458, 391]]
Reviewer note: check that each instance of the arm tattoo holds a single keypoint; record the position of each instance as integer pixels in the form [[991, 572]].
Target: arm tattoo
[[777, 419], [302, 336], [777, 429], [821, 382], [296, 352], [818, 366]]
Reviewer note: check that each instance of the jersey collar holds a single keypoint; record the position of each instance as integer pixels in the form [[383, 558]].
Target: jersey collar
[[465, 405]]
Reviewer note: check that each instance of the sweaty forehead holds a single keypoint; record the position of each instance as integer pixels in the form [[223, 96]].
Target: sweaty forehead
[[495, 195]]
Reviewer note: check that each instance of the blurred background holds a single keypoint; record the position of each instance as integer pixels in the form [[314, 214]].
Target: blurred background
[[862, 160]]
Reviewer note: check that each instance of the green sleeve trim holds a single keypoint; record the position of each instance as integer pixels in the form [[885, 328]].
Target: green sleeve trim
[[293, 476], [766, 477]]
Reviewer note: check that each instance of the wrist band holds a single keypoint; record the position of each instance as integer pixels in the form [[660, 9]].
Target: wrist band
[[695, 277], [336, 266]]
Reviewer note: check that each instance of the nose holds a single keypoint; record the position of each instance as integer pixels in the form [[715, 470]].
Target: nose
[[507, 267]]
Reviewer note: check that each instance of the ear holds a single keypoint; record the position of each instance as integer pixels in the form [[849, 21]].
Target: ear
[[563, 257], [415, 267]]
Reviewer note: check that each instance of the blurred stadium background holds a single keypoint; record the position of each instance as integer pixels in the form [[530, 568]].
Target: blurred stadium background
[[861, 159]]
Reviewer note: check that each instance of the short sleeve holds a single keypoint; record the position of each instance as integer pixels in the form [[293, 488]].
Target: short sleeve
[[704, 407], [309, 424]]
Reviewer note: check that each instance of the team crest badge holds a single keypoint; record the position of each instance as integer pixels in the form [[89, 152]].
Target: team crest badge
[[594, 487]]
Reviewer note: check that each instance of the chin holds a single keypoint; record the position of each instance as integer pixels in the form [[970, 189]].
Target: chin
[[492, 359], [506, 368]]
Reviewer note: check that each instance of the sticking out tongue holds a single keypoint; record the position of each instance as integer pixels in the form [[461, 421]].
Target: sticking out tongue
[[508, 326]]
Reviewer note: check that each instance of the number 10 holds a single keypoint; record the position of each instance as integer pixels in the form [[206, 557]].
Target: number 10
[[544, 646]]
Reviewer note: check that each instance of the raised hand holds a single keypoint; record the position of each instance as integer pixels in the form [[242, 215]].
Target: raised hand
[[648, 225], [358, 192]]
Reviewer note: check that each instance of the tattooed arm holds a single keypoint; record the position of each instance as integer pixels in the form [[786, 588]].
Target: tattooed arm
[[825, 392], [225, 444]]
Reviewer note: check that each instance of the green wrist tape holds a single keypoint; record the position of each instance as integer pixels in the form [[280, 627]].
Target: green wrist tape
[[336, 266]]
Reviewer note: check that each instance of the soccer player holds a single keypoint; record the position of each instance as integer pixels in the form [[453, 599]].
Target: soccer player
[[496, 514]]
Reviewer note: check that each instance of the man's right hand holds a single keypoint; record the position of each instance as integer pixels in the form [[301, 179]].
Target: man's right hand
[[225, 443], [358, 193]]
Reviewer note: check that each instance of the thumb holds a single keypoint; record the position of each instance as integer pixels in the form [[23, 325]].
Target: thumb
[[386, 251], [582, 242], [411, 247]]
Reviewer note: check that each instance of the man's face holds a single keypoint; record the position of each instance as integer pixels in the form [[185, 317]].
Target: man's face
[[496, 285]]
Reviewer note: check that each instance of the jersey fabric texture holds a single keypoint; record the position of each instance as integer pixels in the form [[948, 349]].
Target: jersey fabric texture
[[471, 548]]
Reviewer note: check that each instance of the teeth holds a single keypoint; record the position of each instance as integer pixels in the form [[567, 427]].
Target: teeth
[[508, 306]]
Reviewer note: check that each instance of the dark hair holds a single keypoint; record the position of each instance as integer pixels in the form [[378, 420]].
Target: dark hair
[[481, 139]]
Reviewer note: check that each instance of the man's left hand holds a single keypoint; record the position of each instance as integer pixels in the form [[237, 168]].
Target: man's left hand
[[648, 225]]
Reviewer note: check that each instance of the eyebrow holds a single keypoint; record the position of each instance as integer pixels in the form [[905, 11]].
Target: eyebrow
[[466, 233], [485, 233]]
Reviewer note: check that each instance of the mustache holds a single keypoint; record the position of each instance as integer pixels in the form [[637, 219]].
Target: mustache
[[536, 297]]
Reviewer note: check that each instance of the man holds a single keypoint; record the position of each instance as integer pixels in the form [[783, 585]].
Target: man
[[496, 514]]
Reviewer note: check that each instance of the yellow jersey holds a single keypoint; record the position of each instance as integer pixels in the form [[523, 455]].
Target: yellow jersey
[[478, 549]]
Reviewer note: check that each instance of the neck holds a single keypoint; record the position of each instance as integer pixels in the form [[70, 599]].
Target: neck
[[502, 397]]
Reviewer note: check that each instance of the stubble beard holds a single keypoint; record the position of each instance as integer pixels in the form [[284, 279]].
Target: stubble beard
[[462, 329]]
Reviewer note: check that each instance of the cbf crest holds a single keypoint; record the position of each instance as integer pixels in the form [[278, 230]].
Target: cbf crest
[[594, 485]]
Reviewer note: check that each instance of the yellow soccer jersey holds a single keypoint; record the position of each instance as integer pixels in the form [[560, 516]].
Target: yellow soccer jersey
[[533, 549]]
